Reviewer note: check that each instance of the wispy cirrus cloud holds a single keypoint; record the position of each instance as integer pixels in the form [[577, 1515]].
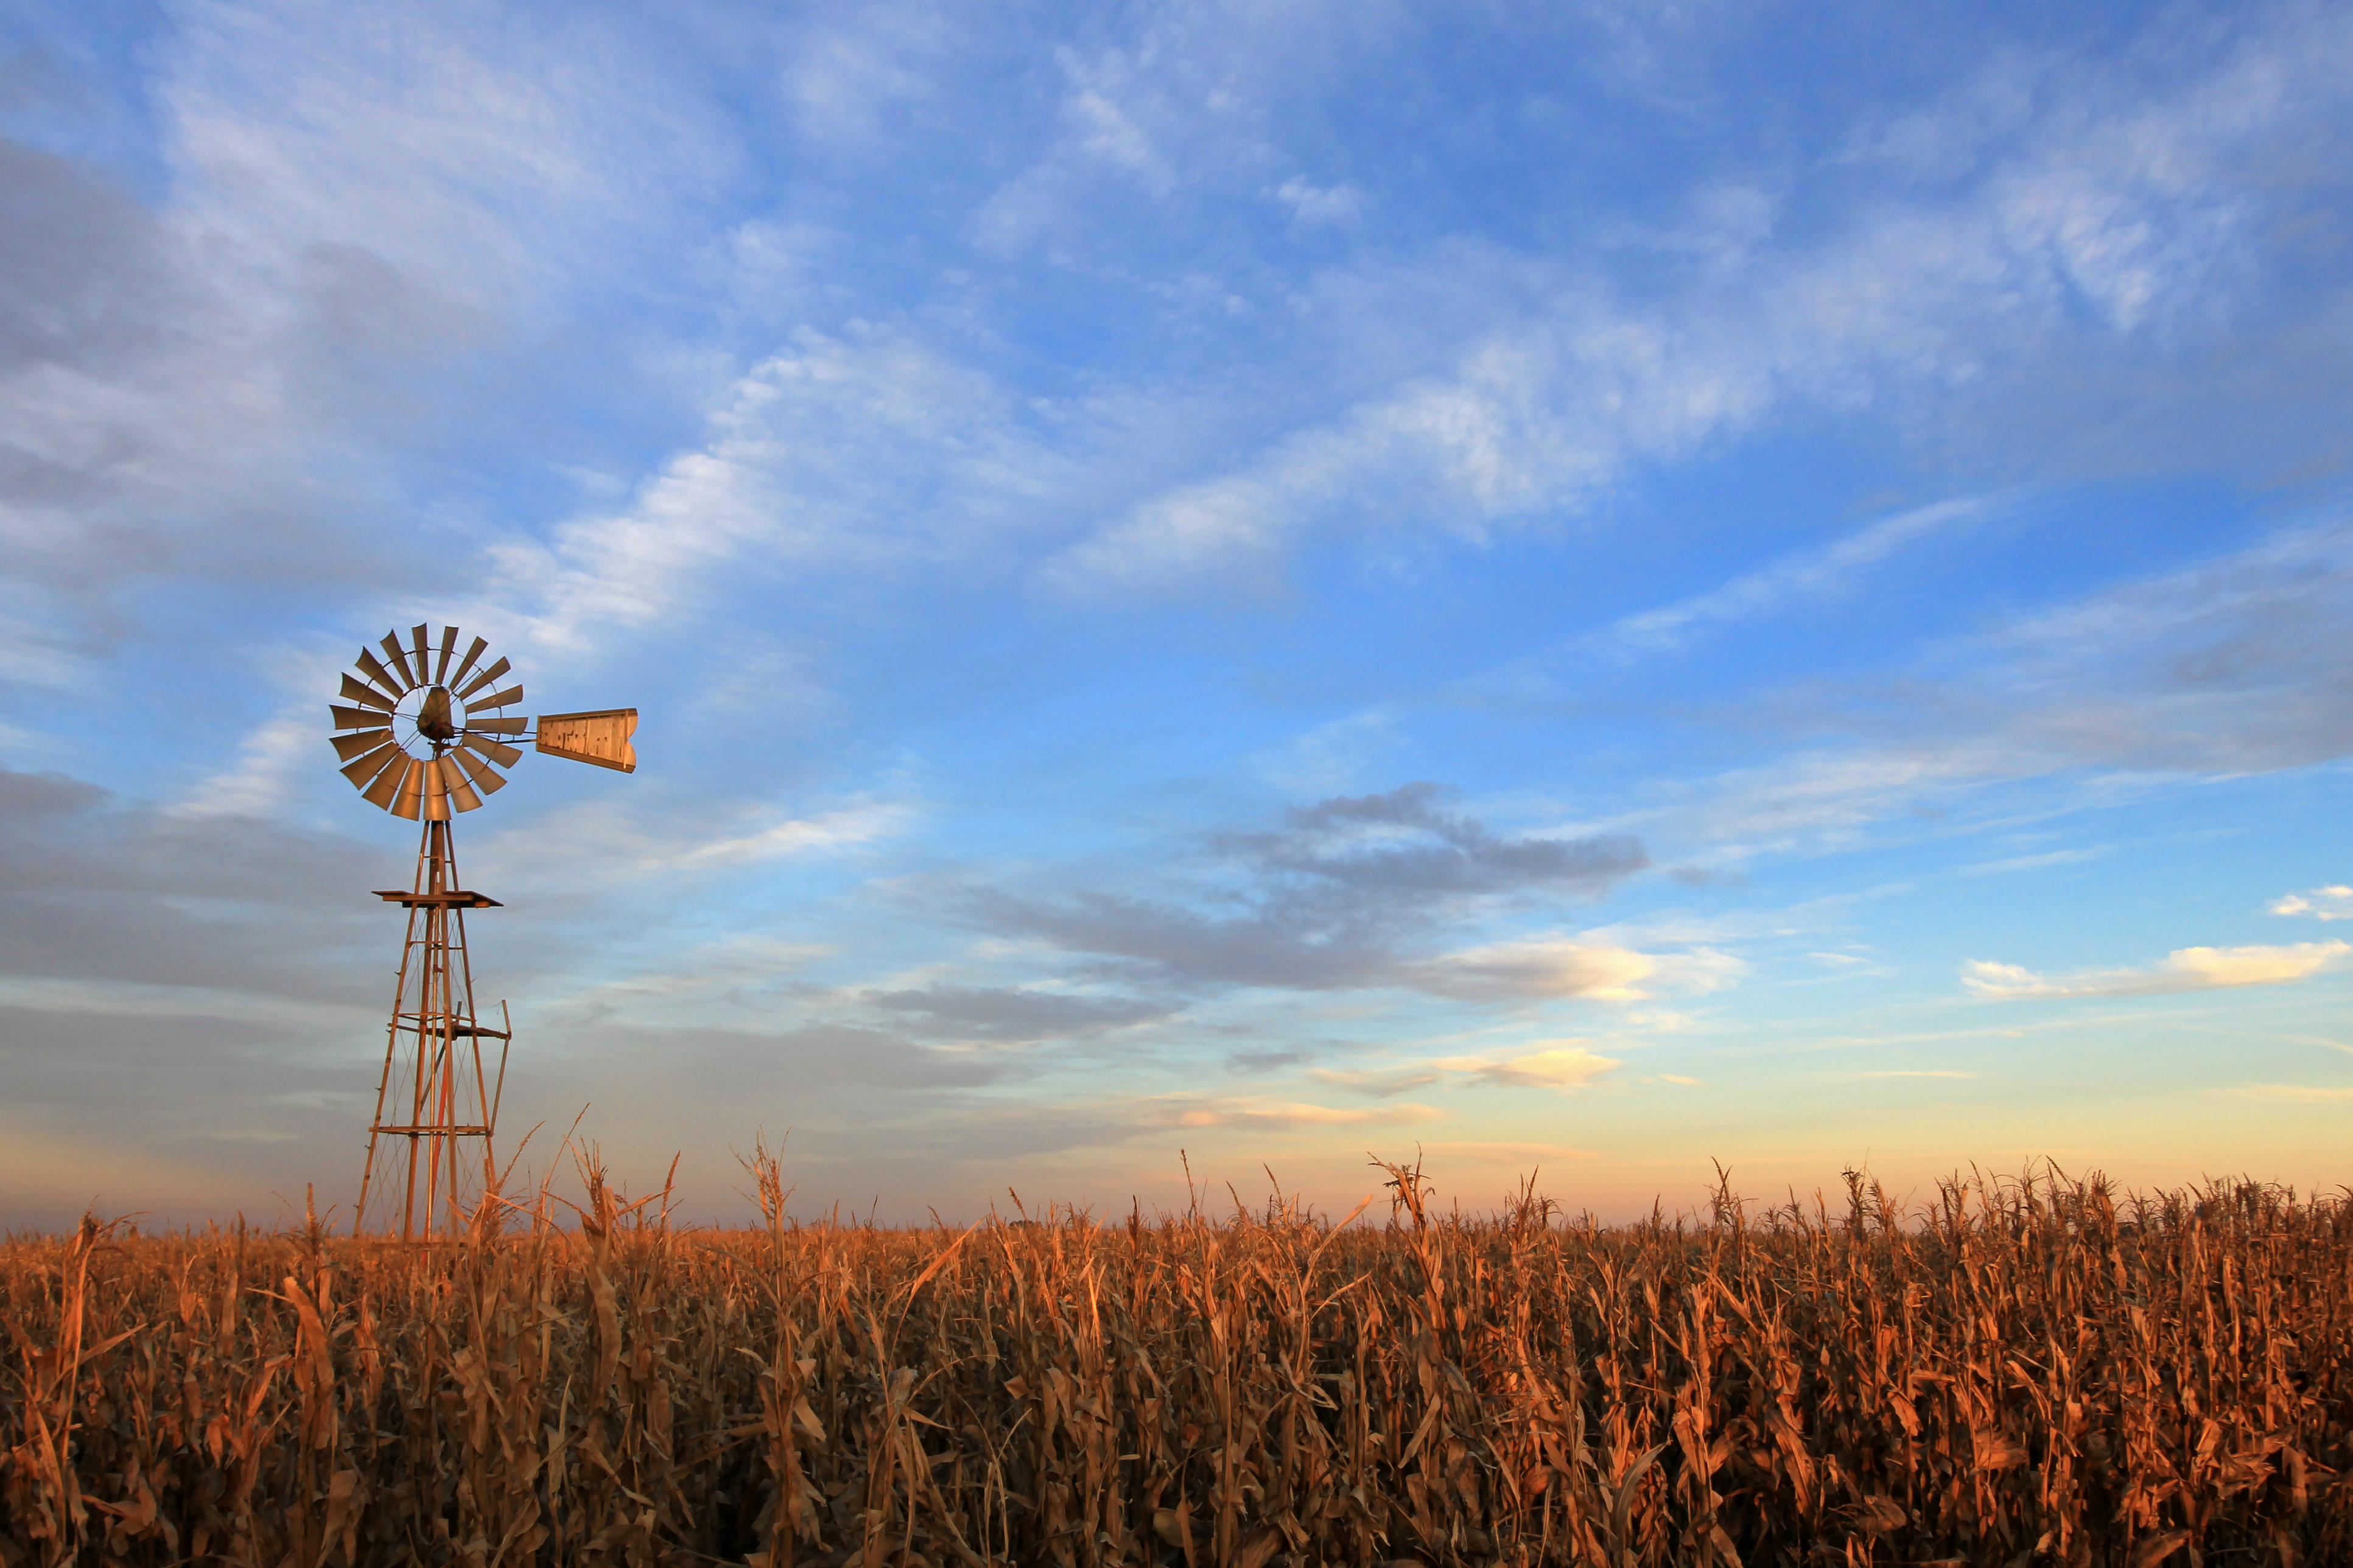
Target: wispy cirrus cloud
[[1810, 578], [2083, 224], [492, 168], [2299, 1093], [2040, 862], [2185, 969], [2230, 664], [474, 153], [605, 840], [834, 452]]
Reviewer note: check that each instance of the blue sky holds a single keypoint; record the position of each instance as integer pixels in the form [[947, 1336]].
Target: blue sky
[[1597, 587]]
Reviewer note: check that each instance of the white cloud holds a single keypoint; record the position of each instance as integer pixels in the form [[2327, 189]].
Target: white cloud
[[831, 830], [1531, 417], [1541, 969], [1111, 117], [1186, 1112], [2334, 902], [1104, 130], [1332, 757], [1558, 1065], [2186, 969], [282, 752], [34, 649], [1551, 968], [1320, 204], [612, 839], [263, 777], [1378, 1085], [846, 74], [1552, 1064]]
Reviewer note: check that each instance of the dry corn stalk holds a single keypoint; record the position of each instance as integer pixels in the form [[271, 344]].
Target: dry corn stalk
[[2030, 1372]]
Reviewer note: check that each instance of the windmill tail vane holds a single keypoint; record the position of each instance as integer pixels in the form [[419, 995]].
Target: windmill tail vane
[[423, 732]]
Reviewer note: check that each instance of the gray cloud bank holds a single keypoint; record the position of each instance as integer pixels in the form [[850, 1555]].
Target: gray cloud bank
[[1013, 1016], [1434, 852], [104, 890], [1349, 892]]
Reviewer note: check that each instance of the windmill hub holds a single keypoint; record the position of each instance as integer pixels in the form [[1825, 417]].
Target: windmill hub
[[422, 734], [434, 721]]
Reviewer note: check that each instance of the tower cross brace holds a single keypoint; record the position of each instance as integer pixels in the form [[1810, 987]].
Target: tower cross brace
[[436, 1094]]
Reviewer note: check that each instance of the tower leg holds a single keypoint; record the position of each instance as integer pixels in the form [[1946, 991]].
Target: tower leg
[[431, 1095]]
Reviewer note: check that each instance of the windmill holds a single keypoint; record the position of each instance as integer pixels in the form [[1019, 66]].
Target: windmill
[[423, 732]]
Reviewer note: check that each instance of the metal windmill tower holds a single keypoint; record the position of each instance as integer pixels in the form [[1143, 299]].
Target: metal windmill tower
[[423, 734]]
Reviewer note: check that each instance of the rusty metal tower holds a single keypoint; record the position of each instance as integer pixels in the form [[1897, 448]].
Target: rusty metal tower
[[424, 741]]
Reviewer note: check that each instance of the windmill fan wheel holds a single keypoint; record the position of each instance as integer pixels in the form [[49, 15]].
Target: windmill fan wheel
[[423, 732]]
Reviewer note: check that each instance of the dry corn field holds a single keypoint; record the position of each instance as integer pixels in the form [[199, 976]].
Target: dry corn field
[[2020, 1372]]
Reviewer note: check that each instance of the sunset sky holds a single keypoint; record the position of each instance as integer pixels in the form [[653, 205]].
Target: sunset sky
[[1597, 586]]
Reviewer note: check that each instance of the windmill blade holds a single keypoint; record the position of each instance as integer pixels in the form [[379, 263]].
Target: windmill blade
[[410, 802], [349, 746], [499, 698], [482, 680], [486, 778], [421, 659], [505, 756], [364, 772], [602, 738], [391, 645], [381, 676], [355, 717], [497, 726], [467, 663], [461, 794], [386, 791], [368, 696], [448, 646], [436, 792]]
